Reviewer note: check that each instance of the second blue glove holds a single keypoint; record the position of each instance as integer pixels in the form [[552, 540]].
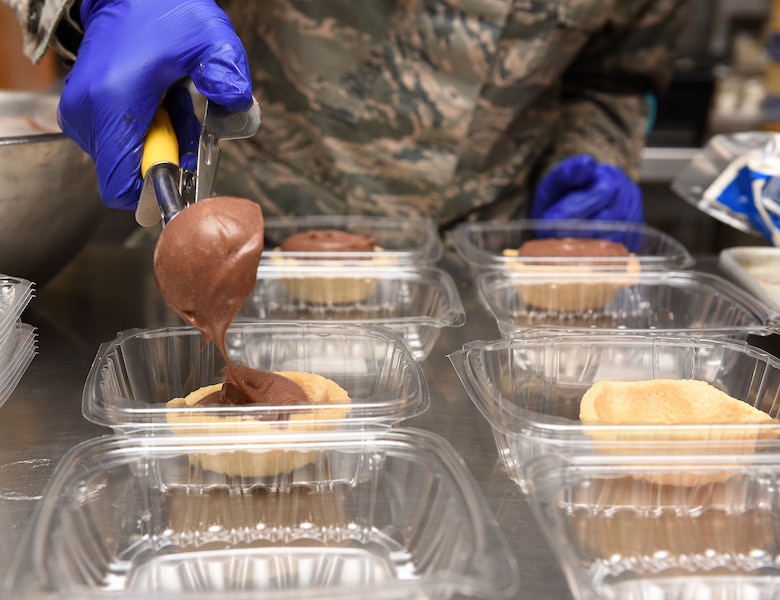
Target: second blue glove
[[583, 188], [133, 51]]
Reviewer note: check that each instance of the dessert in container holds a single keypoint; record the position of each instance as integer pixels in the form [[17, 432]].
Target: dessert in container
[[133, 377], [415, 302], [664, 303], [482, 244], [402, 242], [617, 533], [529, 389], [756, 269], [387, 515]]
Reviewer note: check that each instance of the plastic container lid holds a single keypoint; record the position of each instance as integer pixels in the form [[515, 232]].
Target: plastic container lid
[[681, 302], [414, 302], [384, 515], [619, 532], [409, 242], [134, 376], [481, 244]]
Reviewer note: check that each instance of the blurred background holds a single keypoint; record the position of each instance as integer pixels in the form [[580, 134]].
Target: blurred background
[[724, 81]]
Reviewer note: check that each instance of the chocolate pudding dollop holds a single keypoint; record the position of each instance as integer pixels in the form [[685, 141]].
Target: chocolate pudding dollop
[[328, 240], [571, 247], [205, 266], [245, 385], [205, 262]]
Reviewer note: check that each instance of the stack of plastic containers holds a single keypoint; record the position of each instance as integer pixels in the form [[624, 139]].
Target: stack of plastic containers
[[632, 510], [325, 500], [18, 340]]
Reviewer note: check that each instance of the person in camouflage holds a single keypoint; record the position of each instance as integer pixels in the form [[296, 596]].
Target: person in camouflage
[[448, 109]]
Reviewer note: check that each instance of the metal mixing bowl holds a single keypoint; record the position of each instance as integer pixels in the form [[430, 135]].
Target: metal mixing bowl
[[49, 201]]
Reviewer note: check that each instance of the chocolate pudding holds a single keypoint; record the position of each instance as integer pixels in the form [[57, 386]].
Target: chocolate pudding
[[205, 266], [265, 387], [571, 247], [328, 240]]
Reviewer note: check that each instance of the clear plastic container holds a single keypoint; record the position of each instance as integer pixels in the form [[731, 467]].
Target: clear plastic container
[[20, 354], [416, 303], [529, 389], [663, 303], [482, 244], [134, 376], [402, 242], [394, 515], [618, 533]]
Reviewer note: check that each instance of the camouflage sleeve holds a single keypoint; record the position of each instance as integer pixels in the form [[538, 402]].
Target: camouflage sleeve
[[47, 24], [604, 110]]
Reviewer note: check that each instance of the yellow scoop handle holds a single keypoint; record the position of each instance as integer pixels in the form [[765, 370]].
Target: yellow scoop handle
[[161, 194], [161, 145]]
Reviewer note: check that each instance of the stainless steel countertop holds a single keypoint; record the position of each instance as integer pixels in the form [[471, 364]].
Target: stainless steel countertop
[[107, 289]]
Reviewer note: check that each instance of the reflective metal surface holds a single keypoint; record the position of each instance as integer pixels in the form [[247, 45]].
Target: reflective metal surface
[[49, 201], [107, 289]]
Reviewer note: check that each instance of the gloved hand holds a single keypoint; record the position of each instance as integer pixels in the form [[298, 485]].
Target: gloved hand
[[132, 52], [583, 188]]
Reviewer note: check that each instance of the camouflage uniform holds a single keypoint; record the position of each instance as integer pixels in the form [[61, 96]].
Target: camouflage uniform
[[447, 108], [40, 20]]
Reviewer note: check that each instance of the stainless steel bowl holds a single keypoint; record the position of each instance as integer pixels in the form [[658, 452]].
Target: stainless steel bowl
[[49, 201]]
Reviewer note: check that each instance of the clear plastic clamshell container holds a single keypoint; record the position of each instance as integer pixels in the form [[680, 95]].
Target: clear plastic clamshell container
[[394, 515], [664, 303], [482, 246], [134, 376], [414, 302], [619, 532], [398, 241], [529, 389]]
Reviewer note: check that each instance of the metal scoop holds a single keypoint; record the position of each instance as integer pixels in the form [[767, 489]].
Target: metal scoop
[[168, 188]]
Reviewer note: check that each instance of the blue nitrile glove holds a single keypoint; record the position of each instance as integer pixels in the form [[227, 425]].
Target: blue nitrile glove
[[583, 188], [133, 51]]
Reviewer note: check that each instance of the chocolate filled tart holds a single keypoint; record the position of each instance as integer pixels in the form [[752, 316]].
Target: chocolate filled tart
[[551, 257], [327, 406], [328, 291], [570, 246], [328, 240]]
